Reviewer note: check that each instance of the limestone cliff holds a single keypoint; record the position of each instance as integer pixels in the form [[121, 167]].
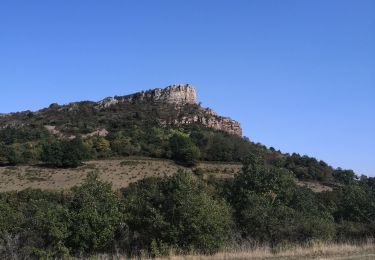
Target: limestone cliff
[[179, 95], [174, 105], [174, 94]]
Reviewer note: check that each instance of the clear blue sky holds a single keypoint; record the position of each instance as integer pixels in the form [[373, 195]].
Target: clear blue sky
[[299, 75]]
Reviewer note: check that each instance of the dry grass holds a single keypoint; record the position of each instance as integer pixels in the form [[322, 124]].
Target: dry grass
[[120, 172], [314, 186], [313, 251]]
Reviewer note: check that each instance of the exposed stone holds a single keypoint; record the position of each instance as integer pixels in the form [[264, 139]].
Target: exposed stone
[[52, 129], [100, 132], [179, 95], [55, 131], [107, 102], [176, 94], [208, 120]]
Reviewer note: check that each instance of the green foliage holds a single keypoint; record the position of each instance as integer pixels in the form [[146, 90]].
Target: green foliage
[[344, 176], [48, 229], [17, 154], [95, 213], [123, 146], [102, 147], [52, 152], [355, 203], [184, 150], [10, 219], [184, 212], [12, 135], [63, 153], [269, 207], [177, 212]]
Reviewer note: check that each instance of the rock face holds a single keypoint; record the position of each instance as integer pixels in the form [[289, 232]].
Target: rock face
[[225, 124], [175, 94], [178, 95]]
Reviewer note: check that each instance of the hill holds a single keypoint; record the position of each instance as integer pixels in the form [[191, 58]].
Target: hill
[[154, 123], [155, 174], [172, 106]]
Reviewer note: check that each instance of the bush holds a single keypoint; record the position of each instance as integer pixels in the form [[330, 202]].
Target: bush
[[184, 150], [270, 208], [175, 212], [47, 228], [64, 153], [95, 213]]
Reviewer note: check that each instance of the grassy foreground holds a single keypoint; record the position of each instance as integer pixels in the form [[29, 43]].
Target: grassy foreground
[[312, 251]]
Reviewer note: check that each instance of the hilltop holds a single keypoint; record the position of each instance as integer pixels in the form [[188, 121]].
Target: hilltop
[[173, 106], [166, 123]]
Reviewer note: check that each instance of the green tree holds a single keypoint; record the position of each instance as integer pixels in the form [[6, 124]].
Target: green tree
[[95, 213], [73, 152], [269, 207], [64, 153], [102, 146], [184, 150], [11, 221], [176, 212], [123, 146], [52, 152], [46, 229], [344, 176]]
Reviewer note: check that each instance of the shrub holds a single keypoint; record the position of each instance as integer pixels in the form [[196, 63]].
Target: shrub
[[176, 212], [64, 153], [95, 214], [184, 150]]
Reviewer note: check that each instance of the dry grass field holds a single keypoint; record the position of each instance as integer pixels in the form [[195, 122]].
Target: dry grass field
[[120, 172], [344, 251]]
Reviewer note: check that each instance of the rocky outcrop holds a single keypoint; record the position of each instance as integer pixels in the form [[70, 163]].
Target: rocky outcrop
[[100, 132], [210, 119], [107, 102], [179, 95], [174, 94]]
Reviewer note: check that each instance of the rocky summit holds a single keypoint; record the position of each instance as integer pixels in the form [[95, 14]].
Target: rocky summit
[[175, 105], [178, 95], [175, 94]]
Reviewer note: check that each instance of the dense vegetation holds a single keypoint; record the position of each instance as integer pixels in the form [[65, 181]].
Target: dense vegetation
[[184, 213], [185, 145]]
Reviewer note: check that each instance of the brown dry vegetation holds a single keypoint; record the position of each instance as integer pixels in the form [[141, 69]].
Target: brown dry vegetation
[[120, 172], [314, 186], [321, 251]]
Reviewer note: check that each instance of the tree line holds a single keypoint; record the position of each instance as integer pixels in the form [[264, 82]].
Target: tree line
[[186, 145], [183, 213]]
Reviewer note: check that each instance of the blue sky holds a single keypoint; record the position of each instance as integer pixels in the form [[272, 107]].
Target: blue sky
[[298, 75]]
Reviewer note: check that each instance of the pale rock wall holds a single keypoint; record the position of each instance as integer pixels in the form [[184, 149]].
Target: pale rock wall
[[176, 94], [180, 95]]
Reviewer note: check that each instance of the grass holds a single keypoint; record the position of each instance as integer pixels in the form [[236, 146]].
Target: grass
[[120, 171], [315, 250]]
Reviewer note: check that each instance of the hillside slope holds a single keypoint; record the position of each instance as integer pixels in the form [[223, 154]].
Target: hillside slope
[[175, 105], [164, 123]]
